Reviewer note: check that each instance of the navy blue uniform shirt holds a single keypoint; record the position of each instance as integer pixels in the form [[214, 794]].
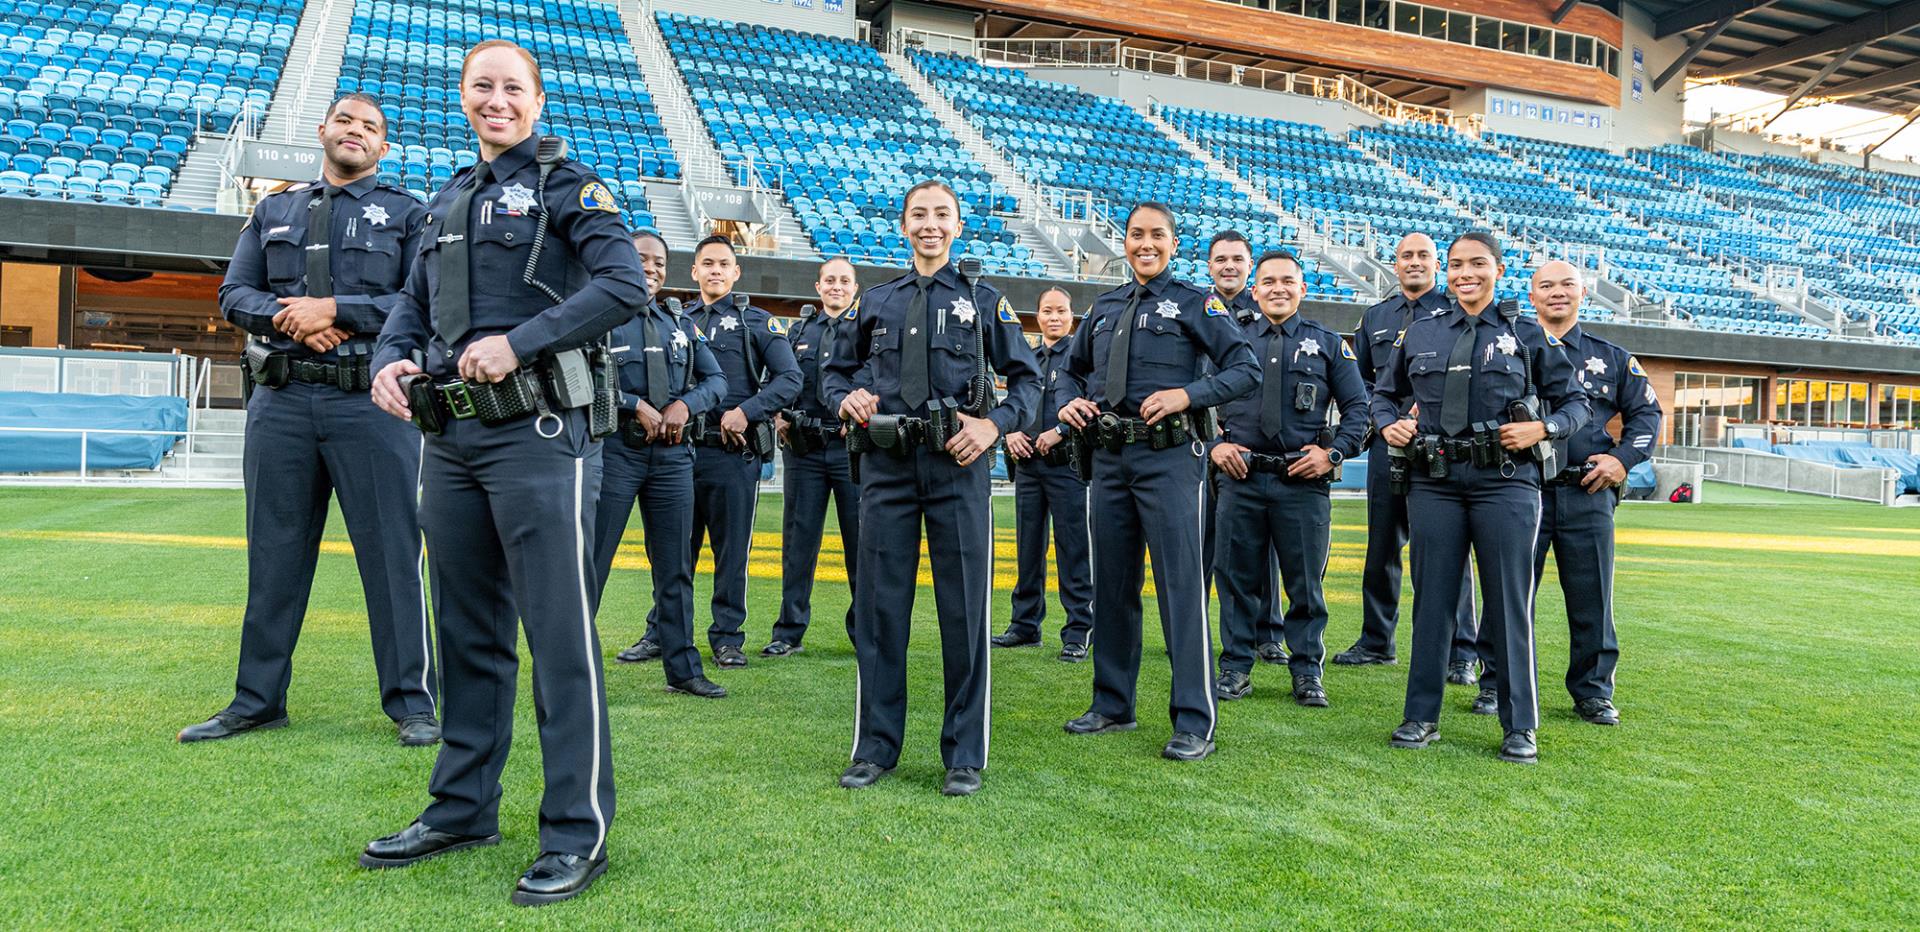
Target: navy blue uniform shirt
[[1382, 323], [1307, 354], [1178, 328], [868, 353], [683, 347], [1416, 371], [376, 231], [1057, 384], [586, 257], [760, 394], [812, 338], [1615, 384]]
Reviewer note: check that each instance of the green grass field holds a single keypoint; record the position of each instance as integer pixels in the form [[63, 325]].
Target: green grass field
[[1767, 774]]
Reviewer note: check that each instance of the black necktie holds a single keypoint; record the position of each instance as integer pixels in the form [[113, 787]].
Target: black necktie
[[451, 311], [1457, 399], [1273, 395], [656, 353], [821, 344], [1045, 355], [320, 244], [1117, 349], [913, 361]]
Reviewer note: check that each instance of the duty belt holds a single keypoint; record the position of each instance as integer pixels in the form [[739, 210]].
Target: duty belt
[[1113, 432], [350, 377], [1572, 475], [1277, 464], [635, 436]]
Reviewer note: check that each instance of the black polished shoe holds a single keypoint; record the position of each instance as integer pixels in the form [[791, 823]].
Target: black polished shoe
[[1232, 685], [555, 877], [862, 773], [1487, 703], [1414, 735], [961, 781], [1186, 746], [1460, 673], [1598, 711], [729, 656], [1357, 656], [226, 725], [1093, 723], [1010, 639], [1271, 652], [642, 651], [1518, 748], [1308, 691], [419, 730], [1073, 653], [418, 842], [781, 649], [699, 686]]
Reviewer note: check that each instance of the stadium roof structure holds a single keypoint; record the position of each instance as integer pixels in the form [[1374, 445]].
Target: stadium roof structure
[[1864, 53]]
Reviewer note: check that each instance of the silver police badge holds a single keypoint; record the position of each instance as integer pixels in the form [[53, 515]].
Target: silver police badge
[[374, 214], [1507, 344], [1167, 309], [516, 197], [729, 323], [1596, 365], [962, 310]]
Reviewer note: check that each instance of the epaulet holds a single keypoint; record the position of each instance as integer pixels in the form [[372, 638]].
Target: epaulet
[[903, 276], [1189, 286], [1117, 289]]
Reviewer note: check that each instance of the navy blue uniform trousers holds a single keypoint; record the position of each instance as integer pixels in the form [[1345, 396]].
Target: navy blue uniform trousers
[[726, 492], [1579, 528], [660, 479], [1499, 518], [1044, 493], [1261, 516], [807, 482], [304, 444], [1151, 502], [1380, 578], [509, 517], [898, 493]]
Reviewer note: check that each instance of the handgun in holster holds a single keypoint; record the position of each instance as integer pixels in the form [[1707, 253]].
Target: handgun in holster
[[1435, 455], [1528, 408], [1399, 470]]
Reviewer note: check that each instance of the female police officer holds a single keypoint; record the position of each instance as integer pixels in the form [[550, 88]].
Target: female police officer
[[524, 260], [1477, 374]]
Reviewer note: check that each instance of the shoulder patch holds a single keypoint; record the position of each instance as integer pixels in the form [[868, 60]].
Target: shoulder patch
[[1346, 350], [595, 196], [1215, 307], [774, 325], [697, 332], [1633, 366], [1005, 312]]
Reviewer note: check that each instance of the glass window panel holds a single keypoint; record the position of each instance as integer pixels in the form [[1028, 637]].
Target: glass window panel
[[1460, 29], [1348, 11], [1486, 32], [1406, 18], [1318, 9], [1513, 37], [1378, 14], [1433, 23], [1563, 46], [1583, 50], [1539, 41]]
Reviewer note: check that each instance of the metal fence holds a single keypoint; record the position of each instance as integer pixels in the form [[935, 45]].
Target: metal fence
[[1759, 470]]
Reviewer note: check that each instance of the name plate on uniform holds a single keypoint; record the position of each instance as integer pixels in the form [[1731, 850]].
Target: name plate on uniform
[[281, 161], [726, 204]]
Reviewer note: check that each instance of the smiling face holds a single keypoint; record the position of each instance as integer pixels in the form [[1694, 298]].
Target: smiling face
[[930, 223], [1227, 264], [1278, 287], [715, 269], [355, 139], [653, 261], [1055, 315], [1556, 295], [1472, 272], [1150, 242], [836, 286], [1413, 263], [500, 94]]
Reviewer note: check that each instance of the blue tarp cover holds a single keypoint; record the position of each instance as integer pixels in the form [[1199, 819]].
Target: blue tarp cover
[[22, 452]]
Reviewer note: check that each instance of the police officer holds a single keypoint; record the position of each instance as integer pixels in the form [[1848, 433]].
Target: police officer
[[912, 371], [816, 467], [524, 262], [1276, 461], [313, 278], [1047, 484], [667, 377], [1140, 356], [1229, 263], [1380, 326], [729, 443], [1478, 373], [1576, 513]]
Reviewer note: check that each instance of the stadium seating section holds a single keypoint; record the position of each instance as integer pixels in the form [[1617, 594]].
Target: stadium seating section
[[99, 101], [844, 137], [408, 55]]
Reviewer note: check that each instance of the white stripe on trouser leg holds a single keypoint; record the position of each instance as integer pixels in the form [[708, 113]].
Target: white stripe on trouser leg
[[426, 641], [1086, 509], [1533, 676], [586, 637], [753, 518], [1206, 624]]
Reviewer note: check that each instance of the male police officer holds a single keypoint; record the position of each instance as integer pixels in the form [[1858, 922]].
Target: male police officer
[[1139, 354], [762, 378], [1276, 460], [667, 377], [1479, 374], [1229, 262], [1576, 508], [313, 277], [1047, 484], [816, 463], [912, 373], [1380, 326]]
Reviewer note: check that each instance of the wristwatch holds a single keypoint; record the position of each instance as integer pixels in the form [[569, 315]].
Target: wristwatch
[[1553, 430], [1335, 457]]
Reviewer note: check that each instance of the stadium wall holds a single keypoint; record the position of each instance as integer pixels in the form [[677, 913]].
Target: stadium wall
[[1140, 89], [1647, 117], [1540, 117], [924, 17], [827, 17]]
